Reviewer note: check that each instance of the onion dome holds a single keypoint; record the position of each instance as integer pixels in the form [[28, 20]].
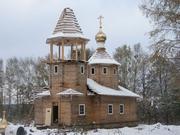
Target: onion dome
[[101, 56], [100, 36]]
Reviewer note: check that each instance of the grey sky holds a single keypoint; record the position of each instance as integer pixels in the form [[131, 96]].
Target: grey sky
[[25, 24]]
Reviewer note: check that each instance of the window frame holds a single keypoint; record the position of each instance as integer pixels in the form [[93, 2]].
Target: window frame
[[120, 108], [84, 106], [82, 67], [108, 109], [91, 70], [114, 71], [55, 67], [106, 70]]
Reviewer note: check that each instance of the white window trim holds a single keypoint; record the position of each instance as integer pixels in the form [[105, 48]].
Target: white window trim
[[82, 66], [112, 109], [106, 70], [94, 70], [84, 109], [120, 110], [54, 69]]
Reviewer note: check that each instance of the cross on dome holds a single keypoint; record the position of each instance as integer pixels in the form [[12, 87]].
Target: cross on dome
[[100, 21], [100, 36]]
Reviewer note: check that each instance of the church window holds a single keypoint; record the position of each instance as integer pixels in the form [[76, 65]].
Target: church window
[[110, 108], [105, 70], [81, 109], [114, 71], [55, 69], [82, 69], [92, 70], [121, 108]]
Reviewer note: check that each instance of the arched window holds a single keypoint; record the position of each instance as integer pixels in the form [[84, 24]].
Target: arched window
[[82, 69], [55, 69], [105, 70], [92, 70]]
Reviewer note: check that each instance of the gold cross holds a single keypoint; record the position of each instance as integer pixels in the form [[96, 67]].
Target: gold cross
[[100, 20]]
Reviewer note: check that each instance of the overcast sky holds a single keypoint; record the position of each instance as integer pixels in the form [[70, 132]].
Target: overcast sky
[[25, 24]]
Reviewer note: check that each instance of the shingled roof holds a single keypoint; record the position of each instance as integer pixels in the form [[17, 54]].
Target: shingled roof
[[67, 23], [102, 57], [103, 90], [67, 26]]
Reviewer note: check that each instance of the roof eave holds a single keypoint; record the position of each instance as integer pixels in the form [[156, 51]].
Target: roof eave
[[117, 95], [103, 63], [56, 40]]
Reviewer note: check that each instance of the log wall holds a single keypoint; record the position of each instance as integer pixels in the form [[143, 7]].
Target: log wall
[[110, 79]]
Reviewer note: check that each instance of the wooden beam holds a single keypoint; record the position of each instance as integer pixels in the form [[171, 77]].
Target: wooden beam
[[76, 51], [62, 49], [82, 52], [71, 51], [59, 52], [84, 47], [51, 53]]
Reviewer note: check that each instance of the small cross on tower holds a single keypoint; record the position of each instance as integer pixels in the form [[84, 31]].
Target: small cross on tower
[[100, 21]]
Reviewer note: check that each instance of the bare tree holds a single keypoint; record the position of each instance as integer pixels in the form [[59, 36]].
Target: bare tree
[[165, 14], [1, 84]]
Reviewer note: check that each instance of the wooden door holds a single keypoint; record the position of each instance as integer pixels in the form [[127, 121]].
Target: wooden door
[[48, 117]]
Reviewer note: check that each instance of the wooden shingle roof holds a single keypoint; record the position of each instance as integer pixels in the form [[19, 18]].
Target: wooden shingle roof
[[102, 57], [67, 27], [67, 23]]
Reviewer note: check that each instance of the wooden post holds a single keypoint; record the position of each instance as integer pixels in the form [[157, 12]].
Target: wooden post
[[71, 51], [62, 49], [76, 52], [82, 52], [59, 52], [51, 53], [84, 48]]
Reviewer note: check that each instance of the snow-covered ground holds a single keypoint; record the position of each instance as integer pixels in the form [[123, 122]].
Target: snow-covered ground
[[156, 129]]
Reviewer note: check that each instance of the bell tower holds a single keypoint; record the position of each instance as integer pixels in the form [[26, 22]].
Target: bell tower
[[67, 73]]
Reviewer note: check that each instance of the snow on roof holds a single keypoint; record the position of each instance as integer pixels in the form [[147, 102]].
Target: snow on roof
[[67, 23], [70, 92], [67, 26], [60, 35], [44, 93], [102, 57], [103, 90]]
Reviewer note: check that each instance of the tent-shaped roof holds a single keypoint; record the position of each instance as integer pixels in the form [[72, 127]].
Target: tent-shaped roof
[[44, 93], [67, 23], [70, 92], [102, 57], [67, 27], [102, 90]]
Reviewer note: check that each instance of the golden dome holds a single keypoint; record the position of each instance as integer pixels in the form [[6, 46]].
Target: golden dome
[[100, 36]]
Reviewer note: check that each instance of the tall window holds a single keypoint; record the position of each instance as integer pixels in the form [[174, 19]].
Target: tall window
[[81, 109], [114, 71], [92, 71], [82, 69], [121, 108], [105, 70], [110, 109], [55, 69]]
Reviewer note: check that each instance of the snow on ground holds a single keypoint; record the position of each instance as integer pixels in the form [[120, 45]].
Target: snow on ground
[[156, 129]]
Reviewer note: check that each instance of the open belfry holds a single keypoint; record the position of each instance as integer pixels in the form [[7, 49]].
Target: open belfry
[[81, 91]]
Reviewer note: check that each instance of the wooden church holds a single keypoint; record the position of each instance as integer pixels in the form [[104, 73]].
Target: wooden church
[[82, 92]]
